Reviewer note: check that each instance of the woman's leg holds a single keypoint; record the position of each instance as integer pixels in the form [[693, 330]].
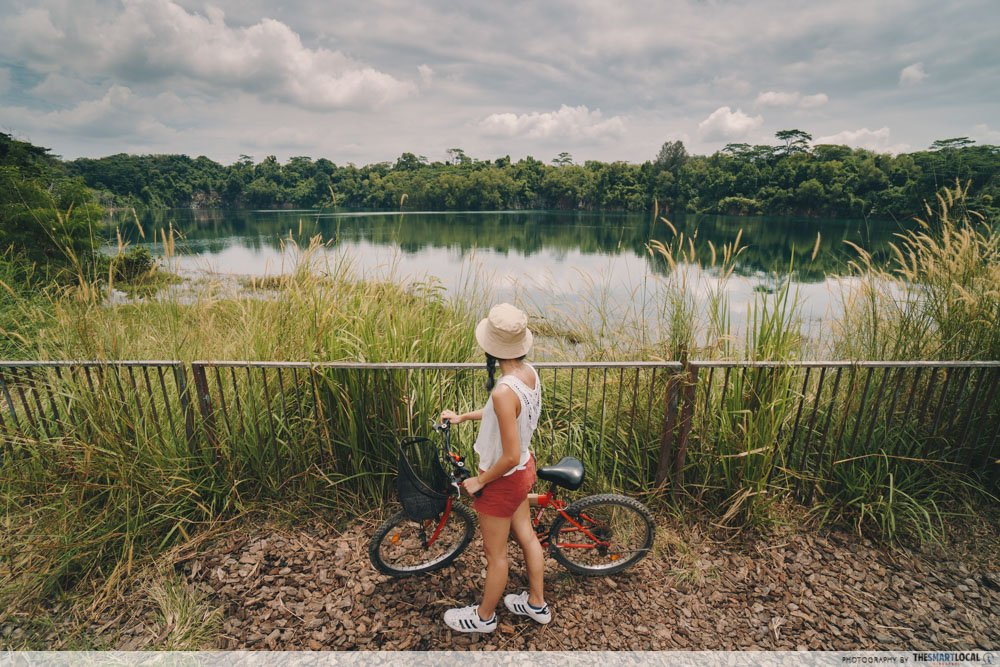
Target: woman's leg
[[495, 532], [534, 557]]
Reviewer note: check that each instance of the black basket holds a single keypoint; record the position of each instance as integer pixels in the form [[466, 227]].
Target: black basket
[[422, 483]]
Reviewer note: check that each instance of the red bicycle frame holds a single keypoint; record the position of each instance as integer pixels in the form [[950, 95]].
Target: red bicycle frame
[[444, 520], [547, 500]]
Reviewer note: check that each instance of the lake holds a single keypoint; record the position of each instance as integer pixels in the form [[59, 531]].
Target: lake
[[548, 260]]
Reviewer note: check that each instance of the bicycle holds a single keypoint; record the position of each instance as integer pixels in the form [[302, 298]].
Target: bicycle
[[596, 535]]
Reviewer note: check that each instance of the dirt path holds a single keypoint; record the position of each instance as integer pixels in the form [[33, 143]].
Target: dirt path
[[314, 589]]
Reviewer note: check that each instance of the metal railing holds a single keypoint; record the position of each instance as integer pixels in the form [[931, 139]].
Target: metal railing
[[666, 418], [55, 399], [833, 412], [339, 411]]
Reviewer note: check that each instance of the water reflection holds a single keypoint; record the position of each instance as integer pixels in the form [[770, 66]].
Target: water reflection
[[770, 241], [550, 259]]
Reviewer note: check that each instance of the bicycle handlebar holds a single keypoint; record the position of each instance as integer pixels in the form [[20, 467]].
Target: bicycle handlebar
[[459, 472]]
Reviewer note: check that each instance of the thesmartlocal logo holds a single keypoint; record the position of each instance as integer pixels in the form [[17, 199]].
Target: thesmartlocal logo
[[954, 658]]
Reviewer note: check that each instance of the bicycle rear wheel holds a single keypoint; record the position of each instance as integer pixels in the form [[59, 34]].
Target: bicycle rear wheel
[[608, 533], [399, 546]]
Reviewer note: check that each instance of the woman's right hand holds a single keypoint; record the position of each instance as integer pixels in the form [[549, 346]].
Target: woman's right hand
[[451, 416]]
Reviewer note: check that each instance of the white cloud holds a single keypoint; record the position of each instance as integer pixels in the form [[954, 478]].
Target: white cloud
[[732, 85], [724, 123], [873, 140], [32, 32], [117, 114], [159, 39], [566, 123], [986, 134], [4, 80], [777, 99], [426, 74], [912, 75], [813, 101], [56, 87], [287, 137], [94, 114]]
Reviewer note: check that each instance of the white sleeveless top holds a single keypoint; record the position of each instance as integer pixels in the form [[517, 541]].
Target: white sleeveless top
[[488, 445]]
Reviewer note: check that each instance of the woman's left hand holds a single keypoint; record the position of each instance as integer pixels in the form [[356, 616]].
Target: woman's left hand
[[472, 486]]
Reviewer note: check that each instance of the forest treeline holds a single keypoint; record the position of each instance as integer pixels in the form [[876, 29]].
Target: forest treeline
[[791, 177]]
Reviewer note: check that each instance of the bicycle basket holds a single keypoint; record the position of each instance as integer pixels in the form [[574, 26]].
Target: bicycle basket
[[421, 483]]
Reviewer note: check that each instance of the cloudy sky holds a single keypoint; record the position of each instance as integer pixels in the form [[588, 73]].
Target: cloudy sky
[[602, 79]]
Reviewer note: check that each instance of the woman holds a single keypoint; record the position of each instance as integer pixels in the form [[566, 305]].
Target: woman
[[506, 470]]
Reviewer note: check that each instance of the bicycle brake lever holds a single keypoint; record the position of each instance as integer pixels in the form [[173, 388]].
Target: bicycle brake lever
[[458, 486], [465, 474], [477, 494]]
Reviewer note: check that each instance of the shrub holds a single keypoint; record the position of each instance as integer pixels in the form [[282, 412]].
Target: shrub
[[54, 224]]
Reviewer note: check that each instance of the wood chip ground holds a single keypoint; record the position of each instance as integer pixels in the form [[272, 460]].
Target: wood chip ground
[[313, 588]]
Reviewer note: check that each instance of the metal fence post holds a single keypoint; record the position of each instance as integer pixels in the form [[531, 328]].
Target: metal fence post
[[684, 427], [669, 421], [206, 409], [180, 377]]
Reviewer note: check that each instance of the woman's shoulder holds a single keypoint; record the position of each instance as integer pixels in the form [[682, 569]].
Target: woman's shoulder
[[503, 387], [503, 395], [534, 383]]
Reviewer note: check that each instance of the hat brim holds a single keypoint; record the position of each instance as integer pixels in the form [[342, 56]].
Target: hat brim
[[499, 349]]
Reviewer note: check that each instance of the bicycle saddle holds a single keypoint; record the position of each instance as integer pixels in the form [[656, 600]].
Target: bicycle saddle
[[568, 473]]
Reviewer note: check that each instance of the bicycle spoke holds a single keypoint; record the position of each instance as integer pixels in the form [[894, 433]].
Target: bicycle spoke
[[403, 546], [605, 534]]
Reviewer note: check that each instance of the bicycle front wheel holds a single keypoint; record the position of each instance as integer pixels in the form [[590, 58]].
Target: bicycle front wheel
[[400, 545], [604, 534]]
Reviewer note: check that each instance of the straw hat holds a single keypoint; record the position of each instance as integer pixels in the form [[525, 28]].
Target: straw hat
[[504, 332]]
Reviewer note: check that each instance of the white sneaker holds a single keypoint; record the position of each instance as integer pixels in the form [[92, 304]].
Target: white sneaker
[[519, 605], [466, 619]]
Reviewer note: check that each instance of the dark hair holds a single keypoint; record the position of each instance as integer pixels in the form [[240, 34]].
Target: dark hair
[[491, 367]]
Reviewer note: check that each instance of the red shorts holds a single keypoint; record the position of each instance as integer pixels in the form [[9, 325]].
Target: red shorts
[[502, 497]]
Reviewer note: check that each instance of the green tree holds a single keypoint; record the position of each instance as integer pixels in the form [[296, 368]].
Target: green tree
[[810, 195], [568, 187], [409, 162], [54, 223], [263, 193], [952, 144], [796, 141], [458, 156], [562, 159], [671, 157]]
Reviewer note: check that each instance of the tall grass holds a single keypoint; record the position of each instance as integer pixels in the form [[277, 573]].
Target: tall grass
[[315, 309], [938, 299], [684, 313], [21, 304], [883, 450], [879, 495], [735, 444]]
